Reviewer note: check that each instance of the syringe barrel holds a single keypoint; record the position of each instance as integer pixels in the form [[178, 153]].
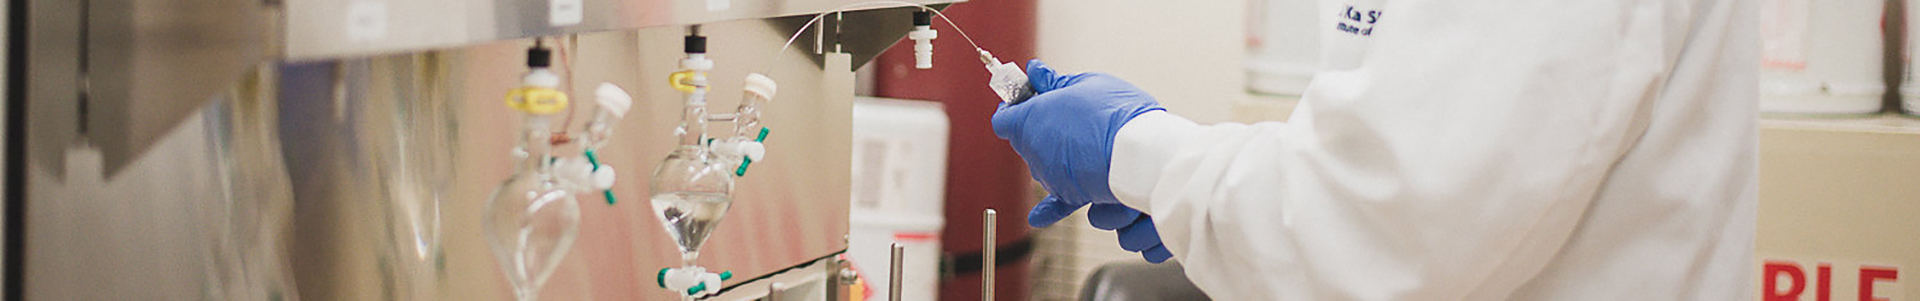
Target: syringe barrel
[[1009, 82]]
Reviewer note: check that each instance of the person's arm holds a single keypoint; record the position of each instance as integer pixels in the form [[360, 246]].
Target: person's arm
[[1452, 162]]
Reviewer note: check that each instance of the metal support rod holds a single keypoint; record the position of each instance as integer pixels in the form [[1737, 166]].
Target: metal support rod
[[774, 290], [819, 36], [987, 249], [895, 274], [839, 276], [839, 17]]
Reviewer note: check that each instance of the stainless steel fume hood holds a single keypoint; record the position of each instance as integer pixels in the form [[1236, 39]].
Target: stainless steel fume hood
[[175, 149]]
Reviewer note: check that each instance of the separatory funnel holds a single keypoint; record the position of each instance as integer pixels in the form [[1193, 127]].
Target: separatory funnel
[[692, 189], [533, 218]]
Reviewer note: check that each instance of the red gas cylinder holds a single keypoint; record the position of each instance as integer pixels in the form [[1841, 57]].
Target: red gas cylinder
[[982, 170]]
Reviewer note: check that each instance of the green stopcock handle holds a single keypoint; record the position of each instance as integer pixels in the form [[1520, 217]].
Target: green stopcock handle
[[591, 159], [724, 276], [661, 279], [742, 171], [744, 162]]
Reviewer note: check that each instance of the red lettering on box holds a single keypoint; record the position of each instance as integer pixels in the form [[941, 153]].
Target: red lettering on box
[[1824, 290], [1872, 274], [1772, 274]]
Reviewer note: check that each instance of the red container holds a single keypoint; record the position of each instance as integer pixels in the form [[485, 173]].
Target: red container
[[982, 170]]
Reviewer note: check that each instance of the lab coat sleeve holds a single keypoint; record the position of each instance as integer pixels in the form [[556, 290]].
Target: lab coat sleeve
[[1451, 162]]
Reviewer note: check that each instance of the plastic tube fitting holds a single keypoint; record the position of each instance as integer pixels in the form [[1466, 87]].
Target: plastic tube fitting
[[923, 35]]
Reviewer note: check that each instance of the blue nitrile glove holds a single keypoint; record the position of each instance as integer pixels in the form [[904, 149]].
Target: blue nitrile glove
[[1136, 230], [1065, 134]]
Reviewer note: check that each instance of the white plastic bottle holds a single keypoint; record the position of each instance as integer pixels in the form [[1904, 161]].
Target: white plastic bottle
[[898, 195], [1285, 48], [1821, 59]]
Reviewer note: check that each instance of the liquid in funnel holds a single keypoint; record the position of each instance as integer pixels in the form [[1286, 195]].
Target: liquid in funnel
[[689, 217]]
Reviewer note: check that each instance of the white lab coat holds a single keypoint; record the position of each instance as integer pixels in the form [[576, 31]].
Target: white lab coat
[[1478, 150]]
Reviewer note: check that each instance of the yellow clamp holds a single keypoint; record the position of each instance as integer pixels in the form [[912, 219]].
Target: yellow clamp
[[537, 100], [679, 80]]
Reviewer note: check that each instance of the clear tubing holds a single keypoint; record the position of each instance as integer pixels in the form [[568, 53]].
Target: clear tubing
[[566, 82], [862, 5]]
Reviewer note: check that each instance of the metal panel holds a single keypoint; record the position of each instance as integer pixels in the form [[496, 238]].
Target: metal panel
[[790, 210], [862, 34], [53, 85], [197, 218], [317, 29], [150, 63]]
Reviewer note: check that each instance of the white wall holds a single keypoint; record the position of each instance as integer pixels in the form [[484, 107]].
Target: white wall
[[1188, 54]]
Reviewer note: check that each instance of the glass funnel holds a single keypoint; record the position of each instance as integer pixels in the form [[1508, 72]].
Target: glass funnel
[[691, 196], [532, 220], [692, 189]]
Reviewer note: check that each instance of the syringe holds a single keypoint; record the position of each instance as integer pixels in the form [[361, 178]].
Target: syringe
[[1007, 80]]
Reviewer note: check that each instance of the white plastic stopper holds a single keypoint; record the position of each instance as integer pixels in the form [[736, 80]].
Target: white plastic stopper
[[923, 36], [613, 99]]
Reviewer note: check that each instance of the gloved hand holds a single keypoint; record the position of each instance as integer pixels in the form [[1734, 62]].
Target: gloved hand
[[1065, 133], [1136, 230]]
